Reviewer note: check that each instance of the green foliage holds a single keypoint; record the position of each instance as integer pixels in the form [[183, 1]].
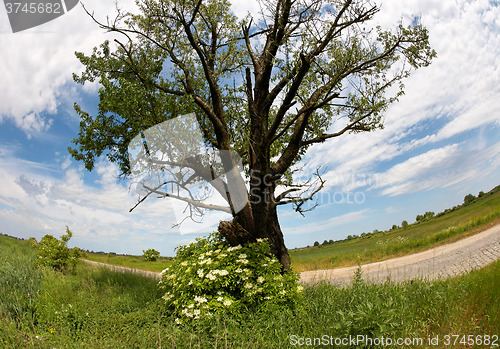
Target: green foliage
[[425, 217], [32, 241], [468, 199], [55, 254], [19, 287], [151, 255], [404, 224], [210, 277], [316, 243]]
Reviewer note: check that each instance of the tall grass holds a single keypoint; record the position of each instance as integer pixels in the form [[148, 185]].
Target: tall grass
[[99, 308], [19, 283]]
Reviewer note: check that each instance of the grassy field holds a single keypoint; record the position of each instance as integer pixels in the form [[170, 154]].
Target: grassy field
[[136, 262], [459, 223], [99, 308]]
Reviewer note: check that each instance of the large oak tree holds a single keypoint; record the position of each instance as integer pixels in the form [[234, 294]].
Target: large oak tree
[[267, 88]]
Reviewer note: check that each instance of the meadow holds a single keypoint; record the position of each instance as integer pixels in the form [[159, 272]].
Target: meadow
[[136, 262], [100, 308], [456, 223]]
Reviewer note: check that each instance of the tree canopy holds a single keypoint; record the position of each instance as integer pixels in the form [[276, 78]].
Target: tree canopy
[[265, 87]]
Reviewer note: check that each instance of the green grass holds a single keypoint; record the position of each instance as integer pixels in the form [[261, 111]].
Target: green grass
[[461, 222], [136, 262], [99, 308]]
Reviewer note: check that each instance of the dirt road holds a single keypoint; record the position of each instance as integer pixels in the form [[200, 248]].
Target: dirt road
[[440, 262]]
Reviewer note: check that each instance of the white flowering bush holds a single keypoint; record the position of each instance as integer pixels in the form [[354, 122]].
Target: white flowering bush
[[209, 276]]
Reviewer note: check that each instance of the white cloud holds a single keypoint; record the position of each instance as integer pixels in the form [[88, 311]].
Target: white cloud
[[34, 202], [37, 64], [327, 224], [459, 90], [438, 168]]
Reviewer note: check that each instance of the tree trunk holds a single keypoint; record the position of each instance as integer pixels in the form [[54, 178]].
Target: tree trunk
[[243, 229]]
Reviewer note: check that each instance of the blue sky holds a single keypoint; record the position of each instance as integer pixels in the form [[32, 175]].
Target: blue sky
[[441, 141]]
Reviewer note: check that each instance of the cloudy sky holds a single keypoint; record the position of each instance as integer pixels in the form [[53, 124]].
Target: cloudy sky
[[441, 141]]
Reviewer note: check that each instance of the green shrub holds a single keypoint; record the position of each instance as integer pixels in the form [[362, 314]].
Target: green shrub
[[208, 277], [32, 241], [54, 253], [150, 255]]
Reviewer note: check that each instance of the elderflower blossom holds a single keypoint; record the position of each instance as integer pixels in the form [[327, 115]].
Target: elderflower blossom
[[200, 273], [211, 276], [242, 256], [260, 279], [239, 270], [230, 249], [282, 292], [168, 296], [206, 261], [260, 240], [300, 288], [164, 271], [222, 272], [200, 299], [184, 264], [227, 302]]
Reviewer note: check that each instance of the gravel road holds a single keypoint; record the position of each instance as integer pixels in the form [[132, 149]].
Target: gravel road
[[443, 261]]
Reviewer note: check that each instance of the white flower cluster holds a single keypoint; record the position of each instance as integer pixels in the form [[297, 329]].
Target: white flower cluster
[[212, 275], [200, 299], [230, 249]]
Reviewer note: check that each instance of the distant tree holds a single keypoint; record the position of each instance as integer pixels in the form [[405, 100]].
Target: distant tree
[[481, 194], [350, 237], [468, 199], [429, 214], [54, 253], [151, 255], [316, 243], [331, 241], [404, 224], [394, 227], [375, 231]]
